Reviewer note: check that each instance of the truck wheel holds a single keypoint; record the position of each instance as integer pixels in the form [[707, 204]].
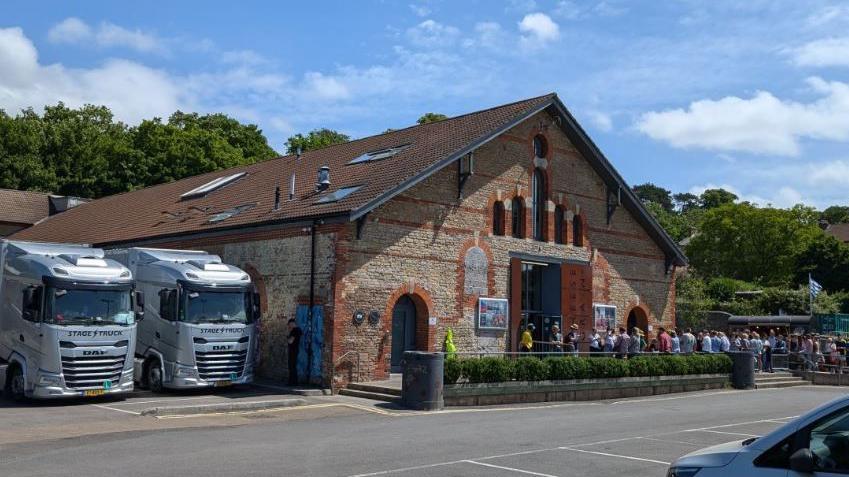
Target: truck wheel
[[154, 376], [16, 385]]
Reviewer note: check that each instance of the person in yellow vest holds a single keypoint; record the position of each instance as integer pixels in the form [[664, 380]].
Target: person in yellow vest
[[527, 342]]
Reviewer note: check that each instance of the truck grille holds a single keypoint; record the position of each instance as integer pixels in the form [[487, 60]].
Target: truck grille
[[92, 371], [215, 365]]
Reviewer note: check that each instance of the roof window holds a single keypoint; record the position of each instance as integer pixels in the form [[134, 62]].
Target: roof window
[[226, 214], [212, 185], [379, 154], [337, 195]]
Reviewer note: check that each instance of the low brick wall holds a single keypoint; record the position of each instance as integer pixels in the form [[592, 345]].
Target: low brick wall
[[467, 394], [826, 379]]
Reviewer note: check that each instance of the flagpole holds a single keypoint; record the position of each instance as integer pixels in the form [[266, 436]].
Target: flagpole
[[811, 297]]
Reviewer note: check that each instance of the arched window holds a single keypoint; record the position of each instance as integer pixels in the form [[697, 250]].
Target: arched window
[[517, 209], [558, 224], [498, 218], [540, 146], [538, 204], [578, 231]]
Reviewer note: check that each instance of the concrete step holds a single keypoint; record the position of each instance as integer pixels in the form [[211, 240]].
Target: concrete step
[[781, 384], [369, 395], [767, 378], [373, 387]]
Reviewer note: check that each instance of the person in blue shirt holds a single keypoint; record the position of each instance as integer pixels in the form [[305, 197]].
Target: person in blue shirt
[[715, 342], [706, 342], [676, 342]]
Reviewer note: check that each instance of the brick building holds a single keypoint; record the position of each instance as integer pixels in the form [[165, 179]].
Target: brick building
[[412, 231]]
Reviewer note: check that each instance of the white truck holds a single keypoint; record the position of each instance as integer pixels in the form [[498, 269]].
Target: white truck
[[201, 319], [67, 321]]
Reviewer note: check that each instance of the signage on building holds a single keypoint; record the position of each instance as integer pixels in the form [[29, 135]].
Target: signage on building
[[493, 313], [476, 268], [604, 317]]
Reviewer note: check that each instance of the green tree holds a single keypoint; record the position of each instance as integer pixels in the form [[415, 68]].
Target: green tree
[[753, 244], [836, 214], [315, 139], [431, 118], [685, 201], [826, 259], [649, 192], [712, 198]]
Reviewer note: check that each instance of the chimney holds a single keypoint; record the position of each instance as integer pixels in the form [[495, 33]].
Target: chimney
[[277, 198], [292, 187], [323, 179]]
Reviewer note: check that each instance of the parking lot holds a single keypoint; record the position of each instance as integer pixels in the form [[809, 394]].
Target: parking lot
[[337, 436]]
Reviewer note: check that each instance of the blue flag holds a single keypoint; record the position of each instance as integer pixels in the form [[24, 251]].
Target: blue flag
[[814, 287]]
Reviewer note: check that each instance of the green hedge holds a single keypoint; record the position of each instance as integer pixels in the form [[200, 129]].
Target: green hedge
[[496, 369]]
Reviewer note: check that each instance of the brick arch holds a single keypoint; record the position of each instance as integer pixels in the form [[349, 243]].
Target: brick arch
[[562, 202], [643, 315], [424, 332], [548, 216], [464, 300], [584, 237], [490, 213], [259, 283], [526, 225]]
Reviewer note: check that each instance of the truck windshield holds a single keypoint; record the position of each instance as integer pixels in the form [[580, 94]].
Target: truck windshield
[[216, 307], [88, 307]]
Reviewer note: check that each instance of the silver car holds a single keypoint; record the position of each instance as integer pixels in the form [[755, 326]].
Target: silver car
[[816, 444]]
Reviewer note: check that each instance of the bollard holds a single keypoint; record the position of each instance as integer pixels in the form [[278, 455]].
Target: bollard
[[743, 369], [421, 386]]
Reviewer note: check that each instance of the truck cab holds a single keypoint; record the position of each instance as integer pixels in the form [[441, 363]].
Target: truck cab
[[201, 324], [67, 321]]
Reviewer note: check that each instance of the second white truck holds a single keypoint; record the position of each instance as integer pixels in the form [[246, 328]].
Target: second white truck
[[201, 319]]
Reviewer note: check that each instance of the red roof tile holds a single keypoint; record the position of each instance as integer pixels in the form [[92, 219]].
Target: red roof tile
[[23, 207]]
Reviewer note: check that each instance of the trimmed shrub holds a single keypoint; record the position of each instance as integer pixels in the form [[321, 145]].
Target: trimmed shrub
[[568, 368], [488, 370], [452, 371], [608, 368], [530, 369]]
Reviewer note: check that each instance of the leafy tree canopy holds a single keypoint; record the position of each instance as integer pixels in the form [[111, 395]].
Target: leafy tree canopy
[[836, 214], [431, 118], [713, 198], [315, 139], [649, 192]]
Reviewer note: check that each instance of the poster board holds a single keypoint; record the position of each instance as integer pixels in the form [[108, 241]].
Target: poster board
[[493, 313], [604, 316]]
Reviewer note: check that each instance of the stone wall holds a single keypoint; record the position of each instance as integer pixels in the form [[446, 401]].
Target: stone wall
[[417, 243]]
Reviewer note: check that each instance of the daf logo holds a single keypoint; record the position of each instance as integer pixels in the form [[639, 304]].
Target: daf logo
[[93, 353], [221, 347]]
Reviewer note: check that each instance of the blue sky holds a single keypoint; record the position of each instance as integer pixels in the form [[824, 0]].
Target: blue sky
[[752, 96]]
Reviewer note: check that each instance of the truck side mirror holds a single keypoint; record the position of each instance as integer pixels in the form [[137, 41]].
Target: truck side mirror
[[802, 461], [257, 307], [139, 304]]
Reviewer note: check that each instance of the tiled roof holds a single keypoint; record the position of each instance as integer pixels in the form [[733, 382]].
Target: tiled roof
[[839, 231], [158, 211], [23, 207]]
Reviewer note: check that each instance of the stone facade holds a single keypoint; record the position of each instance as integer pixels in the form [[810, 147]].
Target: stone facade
[[418, 243]]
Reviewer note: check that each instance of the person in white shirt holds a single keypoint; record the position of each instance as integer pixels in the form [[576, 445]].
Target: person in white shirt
[[688, 342], [595, 342], [725, 345], [706, 344]]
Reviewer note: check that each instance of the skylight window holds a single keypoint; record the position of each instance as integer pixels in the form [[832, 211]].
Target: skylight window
[[226, 214], [337, 195], [212, 185], [379, 154]]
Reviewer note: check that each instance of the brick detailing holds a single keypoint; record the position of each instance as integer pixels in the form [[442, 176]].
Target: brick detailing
[[576, 282], [424, 332]]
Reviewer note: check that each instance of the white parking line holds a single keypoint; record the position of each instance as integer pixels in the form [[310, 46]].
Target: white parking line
[[670, 441], [673, 398], [130, 403], [724, 432], [101, 406], [606, 454], [511, 469]]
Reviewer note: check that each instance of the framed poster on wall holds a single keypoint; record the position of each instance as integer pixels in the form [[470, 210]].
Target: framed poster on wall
[[604, 317], [493, 313]]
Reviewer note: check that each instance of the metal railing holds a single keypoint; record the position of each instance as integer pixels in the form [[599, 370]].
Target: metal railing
[[343, 359]]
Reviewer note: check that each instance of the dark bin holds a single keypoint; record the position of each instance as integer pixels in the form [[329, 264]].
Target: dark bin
[[743, 369], [421, 386]]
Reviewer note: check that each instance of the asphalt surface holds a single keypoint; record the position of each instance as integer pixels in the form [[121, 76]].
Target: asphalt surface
[[333, 437]]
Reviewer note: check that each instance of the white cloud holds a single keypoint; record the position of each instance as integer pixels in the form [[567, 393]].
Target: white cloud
[[609, 9], [833, 173], [567, 9], [538, 29], [420, 10], [762, 124], [601, 120], [72, 30], [487, 35], [133, 91], [430, 33], [326, 87], [521, 5], [828, 14], [69, 30], [824, 52]]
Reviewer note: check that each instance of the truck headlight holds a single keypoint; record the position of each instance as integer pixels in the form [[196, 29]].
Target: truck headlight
[[683, 471], [181, 371], [49, 379]]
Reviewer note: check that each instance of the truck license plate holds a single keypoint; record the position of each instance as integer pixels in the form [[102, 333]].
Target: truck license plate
[[221, 384], [94, 392]]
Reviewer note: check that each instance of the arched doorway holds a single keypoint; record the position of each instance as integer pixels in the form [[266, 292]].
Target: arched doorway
[[638, 318], [403, 330]]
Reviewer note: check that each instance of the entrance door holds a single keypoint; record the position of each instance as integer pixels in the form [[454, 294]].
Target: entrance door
[[403, 331]]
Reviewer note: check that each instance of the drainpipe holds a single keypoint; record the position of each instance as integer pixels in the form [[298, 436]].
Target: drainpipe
[[312, 302]]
